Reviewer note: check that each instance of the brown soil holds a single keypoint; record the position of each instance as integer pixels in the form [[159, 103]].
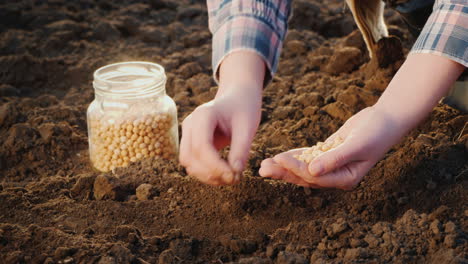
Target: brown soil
[[56, 209]]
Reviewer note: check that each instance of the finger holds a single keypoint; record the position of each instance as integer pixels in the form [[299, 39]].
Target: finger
[[335, 158], [202, 174], [346, 177], [203, 148], [185, 143], [290, 163], [243, 132], [270, 169], [294, 179]]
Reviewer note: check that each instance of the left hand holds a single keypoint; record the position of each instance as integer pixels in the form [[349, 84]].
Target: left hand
[[368, 135]]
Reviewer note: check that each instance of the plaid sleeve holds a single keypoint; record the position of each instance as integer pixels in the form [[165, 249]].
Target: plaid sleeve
[[255, 25], [446, 31]]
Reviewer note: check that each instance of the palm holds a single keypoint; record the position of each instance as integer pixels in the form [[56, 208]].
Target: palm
[[367, 137]]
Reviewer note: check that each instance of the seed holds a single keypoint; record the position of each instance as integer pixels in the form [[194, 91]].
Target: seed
[[119, 142], [308, 155]]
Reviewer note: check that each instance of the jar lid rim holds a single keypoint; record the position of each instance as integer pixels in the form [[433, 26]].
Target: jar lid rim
[[98, 71], [142, 85]]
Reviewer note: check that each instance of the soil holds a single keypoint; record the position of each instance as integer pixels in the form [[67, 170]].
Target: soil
[[56, 209]]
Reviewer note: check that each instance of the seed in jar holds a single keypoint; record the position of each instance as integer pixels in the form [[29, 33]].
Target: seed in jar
[[117, 144], [309, 154]]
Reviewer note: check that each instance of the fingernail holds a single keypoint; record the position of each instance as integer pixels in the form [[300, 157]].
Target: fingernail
[[237, 177], [237, 166], [228, 177], [315, 169]]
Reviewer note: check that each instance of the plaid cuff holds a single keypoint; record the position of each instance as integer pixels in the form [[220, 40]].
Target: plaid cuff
[[446, 33], [257, 26]]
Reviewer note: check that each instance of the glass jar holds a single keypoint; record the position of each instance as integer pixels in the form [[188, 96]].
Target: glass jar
[[131, 117]]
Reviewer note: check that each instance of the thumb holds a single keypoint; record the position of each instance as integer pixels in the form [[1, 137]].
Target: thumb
[[334, 159], [243, 132]]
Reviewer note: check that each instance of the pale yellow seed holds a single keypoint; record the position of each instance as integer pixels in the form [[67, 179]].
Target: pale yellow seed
[[313, 152], [148, 121]]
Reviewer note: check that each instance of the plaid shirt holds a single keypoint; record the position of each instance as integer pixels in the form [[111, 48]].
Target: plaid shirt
[[254, 25], [260, 26], [446, 31]]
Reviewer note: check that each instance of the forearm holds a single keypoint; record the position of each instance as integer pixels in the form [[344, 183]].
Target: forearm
[[241, 70], [416, 88]]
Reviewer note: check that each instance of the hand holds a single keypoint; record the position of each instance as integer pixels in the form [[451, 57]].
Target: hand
[[231, 118], [368, 135]]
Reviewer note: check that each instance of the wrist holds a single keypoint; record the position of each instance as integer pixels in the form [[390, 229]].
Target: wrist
[[397, 126]]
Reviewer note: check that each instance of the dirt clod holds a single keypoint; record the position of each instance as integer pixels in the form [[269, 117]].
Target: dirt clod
[[146, 192], [108, 187], [338, 110], [344, 60], [83, 188]]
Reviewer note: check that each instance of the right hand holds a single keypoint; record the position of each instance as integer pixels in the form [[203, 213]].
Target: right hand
[[230, 119]]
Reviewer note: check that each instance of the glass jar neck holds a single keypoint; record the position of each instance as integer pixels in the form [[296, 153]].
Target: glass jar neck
[[130, 80]]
